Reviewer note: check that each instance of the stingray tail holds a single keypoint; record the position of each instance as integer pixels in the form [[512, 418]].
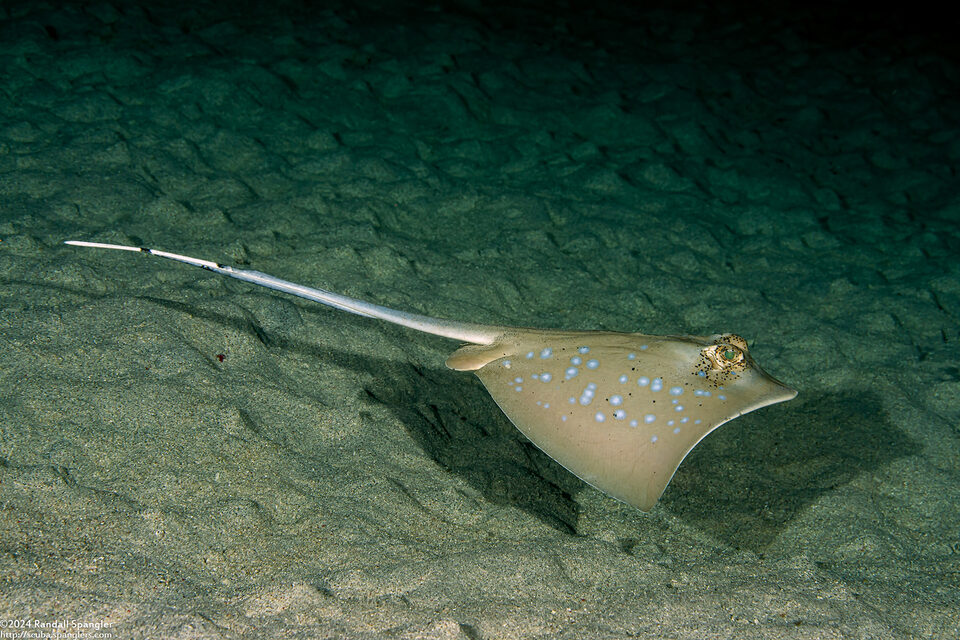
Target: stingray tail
[[464, 331]]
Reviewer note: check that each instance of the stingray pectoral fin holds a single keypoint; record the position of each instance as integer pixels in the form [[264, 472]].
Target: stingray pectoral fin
[[622, 411], [629, 463], [471, 357]]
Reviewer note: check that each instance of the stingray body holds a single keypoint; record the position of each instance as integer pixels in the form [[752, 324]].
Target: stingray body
[[619, 410]]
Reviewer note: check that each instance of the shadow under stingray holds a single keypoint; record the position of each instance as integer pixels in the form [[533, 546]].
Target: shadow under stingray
[[459, 425], [746, 480], [448, 413], [742, 484]]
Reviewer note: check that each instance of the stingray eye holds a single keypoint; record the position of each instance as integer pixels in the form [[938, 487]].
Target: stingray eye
[[721, 362], [730, 354], [724, 356]]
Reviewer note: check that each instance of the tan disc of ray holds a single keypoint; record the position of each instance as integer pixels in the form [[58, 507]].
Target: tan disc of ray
[[621, 411]]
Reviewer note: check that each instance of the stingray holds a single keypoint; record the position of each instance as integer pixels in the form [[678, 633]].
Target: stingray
[[618, 410]]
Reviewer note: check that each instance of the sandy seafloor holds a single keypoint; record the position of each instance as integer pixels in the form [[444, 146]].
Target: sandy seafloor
[[788, 175]]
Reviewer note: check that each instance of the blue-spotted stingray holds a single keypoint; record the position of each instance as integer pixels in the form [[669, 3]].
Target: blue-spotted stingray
[[619, 410]]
